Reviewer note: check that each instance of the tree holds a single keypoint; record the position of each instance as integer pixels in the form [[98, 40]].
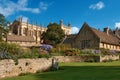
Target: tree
[[3, 24], [54, 34], [3, 21], [3, 33]]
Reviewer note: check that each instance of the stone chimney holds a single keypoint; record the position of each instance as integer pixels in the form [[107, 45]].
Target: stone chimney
[[106, 30]]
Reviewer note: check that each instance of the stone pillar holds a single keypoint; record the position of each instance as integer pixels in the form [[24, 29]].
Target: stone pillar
[[36, 32], [18, 31], [20, 26], [40, 33], [27, 28], [32, 29]]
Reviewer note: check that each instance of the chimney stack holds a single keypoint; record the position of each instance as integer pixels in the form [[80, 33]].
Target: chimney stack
[[106, 30]]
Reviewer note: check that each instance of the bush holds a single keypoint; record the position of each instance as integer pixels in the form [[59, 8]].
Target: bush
[[72, 52], [43, 54], [8, 51], [105, 51], [90, 60], [14, 51], [11, 48], [59, 49]]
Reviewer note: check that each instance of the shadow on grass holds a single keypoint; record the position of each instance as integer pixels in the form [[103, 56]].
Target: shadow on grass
[[82, 73]]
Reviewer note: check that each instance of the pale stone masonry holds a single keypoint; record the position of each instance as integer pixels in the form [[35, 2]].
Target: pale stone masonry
[[9, 69], [27, 34], [91, 38]]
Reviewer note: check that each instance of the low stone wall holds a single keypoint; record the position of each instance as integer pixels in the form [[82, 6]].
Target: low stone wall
[[86, 58], [77, 58], [8, 67], [109, 57]]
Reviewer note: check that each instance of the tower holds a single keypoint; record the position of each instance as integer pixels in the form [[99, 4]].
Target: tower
[[61, 23], [69, 24]]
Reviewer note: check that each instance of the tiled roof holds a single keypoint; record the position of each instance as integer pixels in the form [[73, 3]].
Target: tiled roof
[[107, 38], [20, 38]]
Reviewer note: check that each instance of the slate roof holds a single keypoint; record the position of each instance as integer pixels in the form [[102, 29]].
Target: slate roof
[[20, 38]]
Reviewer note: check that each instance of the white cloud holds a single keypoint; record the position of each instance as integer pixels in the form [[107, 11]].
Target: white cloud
[[117, 25], [43, 6], [8, 7], [75, 30], [97, 6]]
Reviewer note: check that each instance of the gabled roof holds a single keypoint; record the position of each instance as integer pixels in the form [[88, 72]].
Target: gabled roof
[[107, 38], [20, 38], [104, 37]]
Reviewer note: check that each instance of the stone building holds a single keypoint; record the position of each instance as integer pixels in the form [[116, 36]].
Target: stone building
[[66, 29], [27, 34], [90, 38]]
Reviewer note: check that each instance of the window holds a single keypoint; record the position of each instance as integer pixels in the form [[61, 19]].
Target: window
[[85, 44]]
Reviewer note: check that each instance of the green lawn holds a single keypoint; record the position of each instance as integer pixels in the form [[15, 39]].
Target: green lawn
[[78, 71]]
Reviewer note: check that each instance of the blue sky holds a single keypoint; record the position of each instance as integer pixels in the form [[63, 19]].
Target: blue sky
[[97, 13]]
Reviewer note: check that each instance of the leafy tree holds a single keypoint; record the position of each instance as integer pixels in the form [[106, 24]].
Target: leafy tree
[[54, 34], [3, 33], [3, 20], [3, 24]]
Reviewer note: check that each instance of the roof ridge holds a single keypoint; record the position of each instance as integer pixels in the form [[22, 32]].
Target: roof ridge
[[104, 37]]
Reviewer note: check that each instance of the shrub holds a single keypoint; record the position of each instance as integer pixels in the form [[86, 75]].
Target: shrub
[[59, 49], [86, 51], [43, 54], [105, 51], [8, 50], [72, 52], [46, 47], [90, 60]]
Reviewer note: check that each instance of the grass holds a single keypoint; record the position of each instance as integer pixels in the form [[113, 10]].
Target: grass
[[78, 71]]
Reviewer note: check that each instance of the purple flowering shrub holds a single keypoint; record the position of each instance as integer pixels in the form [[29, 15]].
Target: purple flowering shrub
[[46, 47]]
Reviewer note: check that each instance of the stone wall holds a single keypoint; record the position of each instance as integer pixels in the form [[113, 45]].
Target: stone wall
[[109, 57], [87, 58], [77, 58], [8, 67]]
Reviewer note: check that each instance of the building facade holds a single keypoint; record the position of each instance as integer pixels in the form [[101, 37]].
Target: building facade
[[91, 38], [27, 34]]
